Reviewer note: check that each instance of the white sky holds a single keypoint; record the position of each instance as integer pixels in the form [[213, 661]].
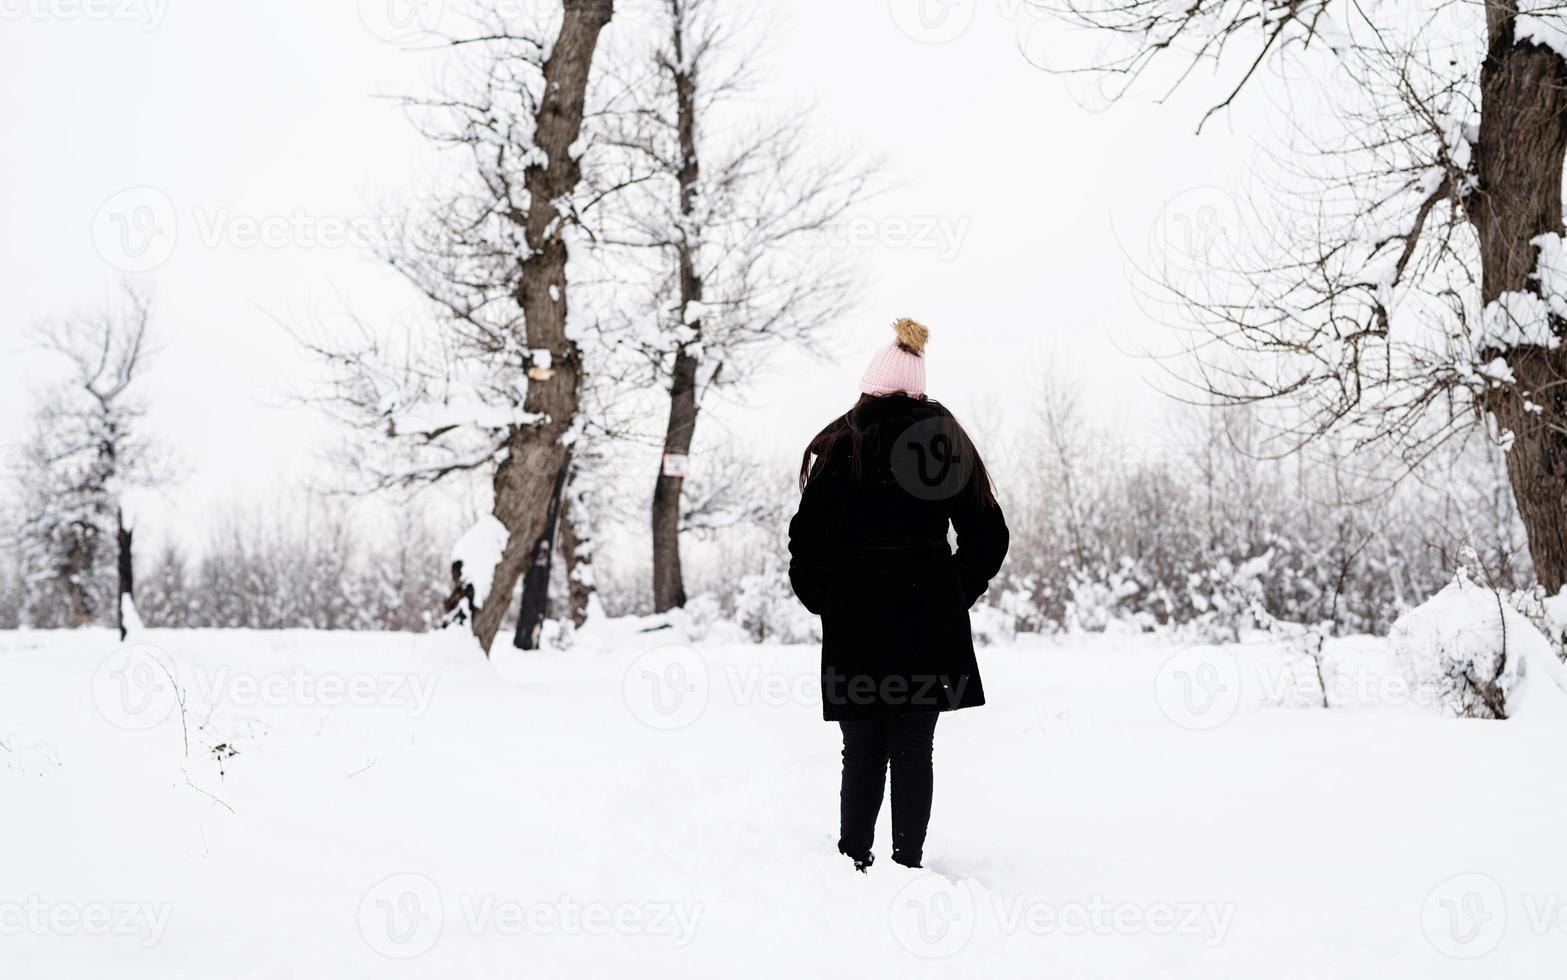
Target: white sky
[[244, 113]]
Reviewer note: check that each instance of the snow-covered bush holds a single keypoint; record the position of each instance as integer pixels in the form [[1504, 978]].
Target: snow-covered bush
[[1227, 598], [1553, 620], [704, 618], [765, 605], [1107, 595], [992, 625], [1472, 653], [1211, 598], [1017, 598]]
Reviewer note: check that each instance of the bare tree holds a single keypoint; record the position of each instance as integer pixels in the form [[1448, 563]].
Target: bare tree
[[86, 452], [726, 215], [1414, 281], [494, 390]]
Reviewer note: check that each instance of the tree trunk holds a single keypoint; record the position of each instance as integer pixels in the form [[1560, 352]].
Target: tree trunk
[[127, 572], [1537, 460], [669, 588], [81, 564], [536, 583], [576, 545], [524, 480], [1523, 139]]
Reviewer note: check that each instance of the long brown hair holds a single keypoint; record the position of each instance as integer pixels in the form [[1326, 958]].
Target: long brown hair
[[851, 426]]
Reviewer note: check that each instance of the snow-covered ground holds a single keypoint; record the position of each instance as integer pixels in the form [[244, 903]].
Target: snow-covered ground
[[307, 805]]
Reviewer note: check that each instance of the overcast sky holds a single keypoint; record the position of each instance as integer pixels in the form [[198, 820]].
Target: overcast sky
[[252, 134]]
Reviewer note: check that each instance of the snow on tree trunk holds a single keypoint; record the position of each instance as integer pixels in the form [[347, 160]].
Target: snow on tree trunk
[[474, 559], [128, 619], [1523, 139], [535, 454], [669, 587], [576, 543]]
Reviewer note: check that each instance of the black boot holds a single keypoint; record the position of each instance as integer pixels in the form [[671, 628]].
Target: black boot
[[860, 863]]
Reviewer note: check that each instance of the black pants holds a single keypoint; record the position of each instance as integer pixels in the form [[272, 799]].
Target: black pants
[[867, 747]]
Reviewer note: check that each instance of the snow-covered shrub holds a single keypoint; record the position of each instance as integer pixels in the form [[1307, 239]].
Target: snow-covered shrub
[[992, 625], [1471, 652], [1213, 598], [11, 596], [1015, 602], [1227, 598], [766, 606], [1553, 620], [268, 571], [703, 618], [1104, 595]]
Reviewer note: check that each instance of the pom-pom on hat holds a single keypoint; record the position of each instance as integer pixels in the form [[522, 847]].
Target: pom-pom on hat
[[900, 366]]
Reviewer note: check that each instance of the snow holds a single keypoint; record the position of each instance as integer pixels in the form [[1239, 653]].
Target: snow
[[1556, 610], [426, 418], [1551, 272], [129, 617], [1515, 319], [480, 549], [1470, 631], [695, 312], [393, 805], [1541, 22]]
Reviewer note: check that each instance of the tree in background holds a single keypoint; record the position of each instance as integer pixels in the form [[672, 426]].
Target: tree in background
[[495, 389], [1419, 286], [85, 455], [1198, 528], [310, 567], [719, 212]]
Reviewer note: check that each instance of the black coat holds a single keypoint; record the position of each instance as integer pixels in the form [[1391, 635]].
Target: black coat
[[869, 554]]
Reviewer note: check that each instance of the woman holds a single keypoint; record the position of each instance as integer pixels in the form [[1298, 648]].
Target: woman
[[869, 554]]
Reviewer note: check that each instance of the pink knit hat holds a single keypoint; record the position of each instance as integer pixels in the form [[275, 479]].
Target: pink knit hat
[[900, 366]]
